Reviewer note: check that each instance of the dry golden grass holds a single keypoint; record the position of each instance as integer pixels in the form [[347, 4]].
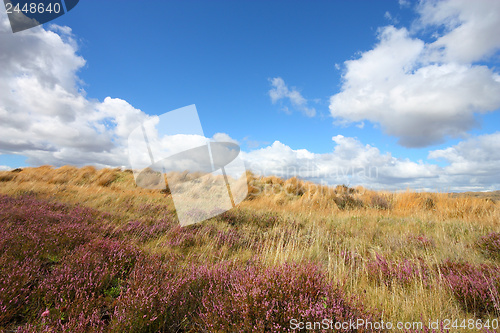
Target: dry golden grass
[[299, 196], [292, 220], [108, 190]]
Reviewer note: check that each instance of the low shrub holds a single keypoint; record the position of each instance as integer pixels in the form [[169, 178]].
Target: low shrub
[[490, 245], [347, 201], [380, 202], [266, 299], [403, 272], [37, 239], [155, 298], [82, 288], [476, 287]]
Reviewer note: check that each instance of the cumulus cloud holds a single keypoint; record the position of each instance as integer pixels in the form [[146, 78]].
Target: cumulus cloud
[[472, 28], [223, 137], [423, 93], [474, 161], [280, 91], [350, 162], [43, 113], [46, 117], [473, 164]]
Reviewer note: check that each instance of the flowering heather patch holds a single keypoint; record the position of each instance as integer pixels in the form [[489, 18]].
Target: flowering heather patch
[[198, 235], [476, 287], [60, 273], [34, 236], [84, 279], [17, 280], [258, 299], [162, 296], [490, 245], [230, 238], [55, 265], [226, 298], [31, 226], [403, 272], [184, 237], [156, 297]]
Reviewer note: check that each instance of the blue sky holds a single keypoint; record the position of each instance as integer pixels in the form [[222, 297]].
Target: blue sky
[[332, 84], [219, 55]]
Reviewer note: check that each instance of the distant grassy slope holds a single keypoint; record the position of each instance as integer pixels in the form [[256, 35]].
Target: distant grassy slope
[[494, 195], [99, 188]]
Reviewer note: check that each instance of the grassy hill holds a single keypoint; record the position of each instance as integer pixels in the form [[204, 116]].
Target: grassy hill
[[86, 250]]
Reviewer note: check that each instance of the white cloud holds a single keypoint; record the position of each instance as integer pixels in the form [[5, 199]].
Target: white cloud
[[223, 137], [280, 91], [472, 28], [404, 3], [44, 115], [474, 165], [424, 93], [5, 168], [350, 162], [476, 160], [390, 18]]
